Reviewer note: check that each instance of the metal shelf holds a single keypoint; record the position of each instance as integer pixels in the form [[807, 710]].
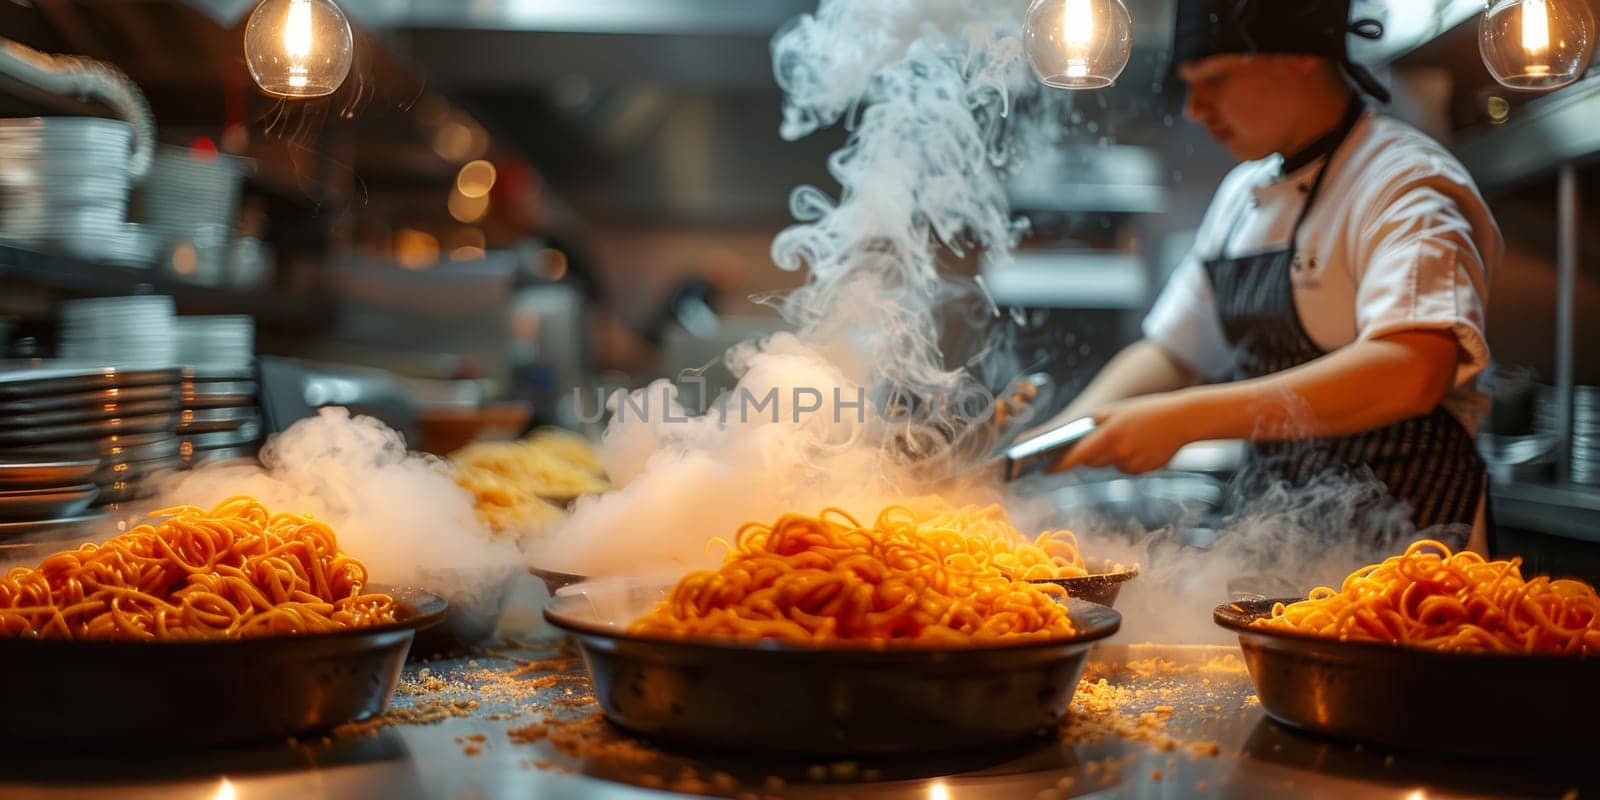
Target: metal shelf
[[80, 278], [1548, 133], [1568, 510]]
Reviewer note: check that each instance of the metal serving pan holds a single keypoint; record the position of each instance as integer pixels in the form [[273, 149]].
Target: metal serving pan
[[555, 580], [248, 433], [473, 618], [67, 378], [133, 394], [204, 376], [117, 492], [135, 470], [1488, 705], [46, 504], [40, 473], [1100, 586], [97, 429], [217, 420], [841, 701], [121, 447], [88, 415], [198, 389], [198, 456], [69, 526], [196, 694], [221, 401]]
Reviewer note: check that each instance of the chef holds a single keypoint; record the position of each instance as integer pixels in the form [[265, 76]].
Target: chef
[[1331, 311]]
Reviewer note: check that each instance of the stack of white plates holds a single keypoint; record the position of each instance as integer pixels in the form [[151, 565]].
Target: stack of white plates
[[221, 416], [133, 332], [219, 345], [93, 434], [64, 186], [189, 201]]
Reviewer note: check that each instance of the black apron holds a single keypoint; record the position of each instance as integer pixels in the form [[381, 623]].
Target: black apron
[[1428, 462]]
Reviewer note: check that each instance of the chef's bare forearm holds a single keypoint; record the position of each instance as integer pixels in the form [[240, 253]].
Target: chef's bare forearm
[[1141, 368], [1360, 387]]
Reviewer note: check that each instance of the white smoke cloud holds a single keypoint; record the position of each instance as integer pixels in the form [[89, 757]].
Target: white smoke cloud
[[400, 513], [1281, 541], [931, 90]]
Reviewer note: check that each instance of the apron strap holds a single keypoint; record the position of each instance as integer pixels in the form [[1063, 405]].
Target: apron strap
[[1333, 141], [1352, 118]]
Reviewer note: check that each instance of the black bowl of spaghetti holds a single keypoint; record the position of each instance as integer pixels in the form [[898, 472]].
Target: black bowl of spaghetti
[[202, 628], [205, 692], [1102, 585], [1432, 651], [838, 700]]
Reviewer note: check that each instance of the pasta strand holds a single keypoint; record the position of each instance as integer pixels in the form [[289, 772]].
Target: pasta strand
[[235, 571], [1433, 599], [914, 577]]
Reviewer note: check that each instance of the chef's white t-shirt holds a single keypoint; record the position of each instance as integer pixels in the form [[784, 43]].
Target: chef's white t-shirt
[[1399, 239]]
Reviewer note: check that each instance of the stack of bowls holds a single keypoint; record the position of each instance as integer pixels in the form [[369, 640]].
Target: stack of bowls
[[1585, 464], [39, 494], [1586, 435], [130, 332], [1544, 410], [189, 201], [91, 435], [64, 187], [221, 417]]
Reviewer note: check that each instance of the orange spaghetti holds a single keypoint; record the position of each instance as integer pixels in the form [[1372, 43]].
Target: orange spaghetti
[[829, 580], [236, 571], [992, 538], [1430, 598]]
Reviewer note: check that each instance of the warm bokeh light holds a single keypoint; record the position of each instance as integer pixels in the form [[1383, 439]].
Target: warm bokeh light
[[553, 263], [185, 259], [414, 249], [476, 178], [467, 210]]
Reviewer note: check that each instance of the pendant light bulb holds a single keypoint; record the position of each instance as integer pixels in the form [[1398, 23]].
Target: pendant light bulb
[[298, 48], [1536, 44], [1078, 44]]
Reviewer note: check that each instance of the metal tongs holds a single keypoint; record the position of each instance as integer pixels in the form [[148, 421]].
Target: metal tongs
[[1029, 455], [1033, 453]]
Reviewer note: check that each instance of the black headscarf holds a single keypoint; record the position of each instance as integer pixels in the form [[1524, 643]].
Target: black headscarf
[[1292, 27]]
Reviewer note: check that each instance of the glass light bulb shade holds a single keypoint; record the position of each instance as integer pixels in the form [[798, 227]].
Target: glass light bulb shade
[[1078, 44], [1536, 44], [298, 48]]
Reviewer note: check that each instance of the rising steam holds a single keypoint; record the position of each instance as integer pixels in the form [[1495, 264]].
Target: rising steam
[[400, 513], [930, 91], [940, 104], [1279, 542]]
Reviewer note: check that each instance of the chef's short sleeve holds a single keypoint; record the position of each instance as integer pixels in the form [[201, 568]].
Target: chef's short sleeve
[[1185, 323], [1423, 267]]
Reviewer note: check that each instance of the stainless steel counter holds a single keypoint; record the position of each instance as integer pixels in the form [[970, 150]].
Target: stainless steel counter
[[1209, 696]]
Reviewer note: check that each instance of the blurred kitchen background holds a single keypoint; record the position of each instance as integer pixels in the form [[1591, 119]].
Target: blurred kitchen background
[[508, 200]]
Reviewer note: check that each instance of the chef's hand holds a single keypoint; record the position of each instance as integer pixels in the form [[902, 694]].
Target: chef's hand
[[1134, 436]]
